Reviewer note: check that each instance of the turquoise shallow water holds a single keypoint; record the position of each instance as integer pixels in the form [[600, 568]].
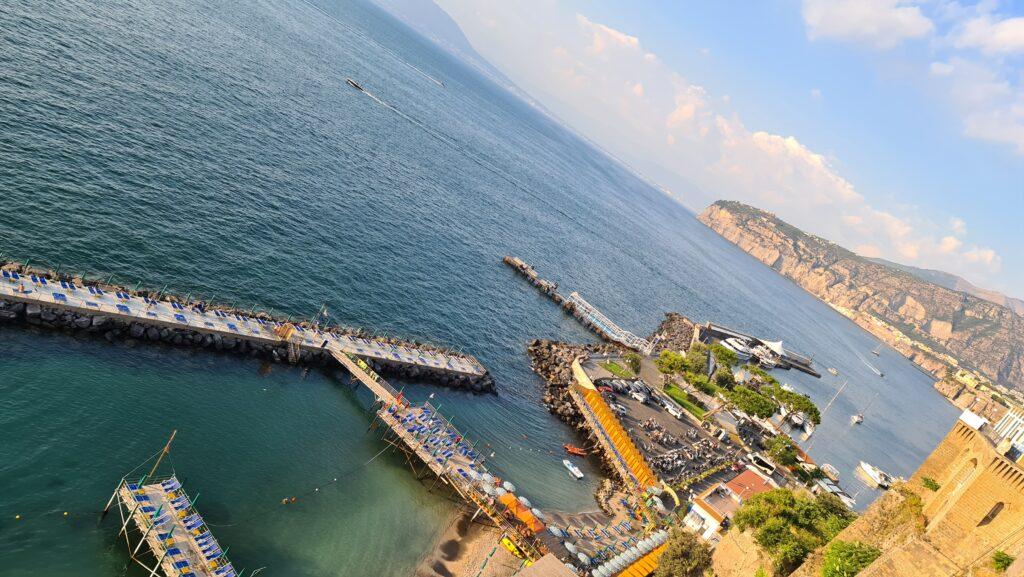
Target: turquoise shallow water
[[208, 146]]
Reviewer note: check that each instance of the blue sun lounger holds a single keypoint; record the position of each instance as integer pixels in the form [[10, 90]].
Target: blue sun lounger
[[180, 318], [60, 297], [233, 327], [15, 275], [181, 564], [7, 275], [124, 309]]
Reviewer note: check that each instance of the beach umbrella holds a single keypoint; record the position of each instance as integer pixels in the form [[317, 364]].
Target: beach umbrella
[[538, 514], [509, 487], [583, 558], [554, 531], [499, 491], [473, 474], [601, 571], [572, 548], [525, 501], [489, 490], [487, 478]]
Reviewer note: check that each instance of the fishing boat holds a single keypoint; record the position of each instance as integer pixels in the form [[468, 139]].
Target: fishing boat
[[574, 450], [880, 477], [830, 472], [573, 469], [832, 371], [354, 84]]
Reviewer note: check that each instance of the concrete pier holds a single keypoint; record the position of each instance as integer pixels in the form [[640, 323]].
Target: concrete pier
[[48, 301]]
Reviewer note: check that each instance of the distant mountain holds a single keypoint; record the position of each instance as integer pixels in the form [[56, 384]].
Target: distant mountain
[[953, 282], [434, 24], [933, 325]]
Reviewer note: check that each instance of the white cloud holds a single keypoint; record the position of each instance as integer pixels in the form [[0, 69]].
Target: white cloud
[[593, 79], [993, 36], [949, 244], [815, 94], [940, 68], [958, 226], [881, 24]]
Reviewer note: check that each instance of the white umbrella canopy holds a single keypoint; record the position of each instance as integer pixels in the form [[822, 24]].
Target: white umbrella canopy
[[499, 491], [509, 487], [525, 501], [572, 548], [538, 514]]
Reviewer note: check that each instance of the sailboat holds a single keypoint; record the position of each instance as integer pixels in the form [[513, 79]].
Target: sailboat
[[825, 410], [859, 417], [877, 351]]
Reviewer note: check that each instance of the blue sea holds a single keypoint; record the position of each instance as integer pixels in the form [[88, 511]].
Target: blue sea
[[215, 149]]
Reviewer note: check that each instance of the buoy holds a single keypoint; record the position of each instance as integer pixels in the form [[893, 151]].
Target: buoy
[[293, 499], [65, 513], [284, 501], [16, 517]]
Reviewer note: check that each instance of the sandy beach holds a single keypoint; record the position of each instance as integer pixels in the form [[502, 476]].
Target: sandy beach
[[462, 548]]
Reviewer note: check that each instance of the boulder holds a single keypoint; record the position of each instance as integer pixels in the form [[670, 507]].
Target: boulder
[[33, 310], [153, 334], [8, 315], [99, 320], [83, 322], [136, 330]]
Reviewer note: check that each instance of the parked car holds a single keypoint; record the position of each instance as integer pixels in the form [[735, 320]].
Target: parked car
[[605, 389], [674, 411], [617, 409], [642, 398]]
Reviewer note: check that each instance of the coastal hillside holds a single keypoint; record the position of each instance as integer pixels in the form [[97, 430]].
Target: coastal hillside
[[954, 282], [935, 326]]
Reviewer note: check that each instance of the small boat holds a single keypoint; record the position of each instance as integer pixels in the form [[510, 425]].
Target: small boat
[[877, 351], [354, 84], [788, 387], [830, 472], [859, 417], [808, 428], [832, 371], [573, 469], [574, 450], [880, 477], [797, 419]]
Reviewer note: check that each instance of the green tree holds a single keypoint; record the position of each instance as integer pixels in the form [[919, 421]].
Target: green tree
[[782, 450], [724, 379], [685, 556], [846, 559], [670, 362], [632, 361], [697, 359], [788, 526], [751, 402], [723, 356], [795, 402], [1002, 561], [701, 383]]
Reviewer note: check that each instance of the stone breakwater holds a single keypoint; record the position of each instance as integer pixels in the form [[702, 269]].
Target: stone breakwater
[[552, 360], [114, 327], [550, 290]]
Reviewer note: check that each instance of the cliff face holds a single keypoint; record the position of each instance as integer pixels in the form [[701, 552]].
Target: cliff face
[[935, 327]]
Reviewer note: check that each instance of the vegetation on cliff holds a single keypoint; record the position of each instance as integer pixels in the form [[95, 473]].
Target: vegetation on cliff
[[846, 559], [789, 525]]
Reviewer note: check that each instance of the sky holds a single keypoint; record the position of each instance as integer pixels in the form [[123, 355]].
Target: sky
[[894, 128]]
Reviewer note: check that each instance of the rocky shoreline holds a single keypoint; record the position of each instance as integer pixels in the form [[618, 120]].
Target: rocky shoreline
[[111, 329]]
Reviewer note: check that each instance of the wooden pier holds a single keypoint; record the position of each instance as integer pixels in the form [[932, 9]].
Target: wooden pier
[[433, 446]]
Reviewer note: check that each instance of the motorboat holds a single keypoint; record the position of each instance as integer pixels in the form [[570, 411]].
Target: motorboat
[[574, 450], [573, 469], [808, 427], [797, 419], [857, 419], [355, 84], [877, 351], [743, 352], [830, 472], [833, 371], [880, 477]]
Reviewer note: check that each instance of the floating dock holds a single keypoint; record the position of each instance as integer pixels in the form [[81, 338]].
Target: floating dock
[[63, 303]]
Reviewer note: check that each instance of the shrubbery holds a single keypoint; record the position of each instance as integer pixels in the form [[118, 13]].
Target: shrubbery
[[846, 559]]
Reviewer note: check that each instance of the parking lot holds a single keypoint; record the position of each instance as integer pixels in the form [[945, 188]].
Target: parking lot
[[675, 448]]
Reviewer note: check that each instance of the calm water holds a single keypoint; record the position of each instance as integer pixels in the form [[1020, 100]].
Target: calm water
[[209, 146]]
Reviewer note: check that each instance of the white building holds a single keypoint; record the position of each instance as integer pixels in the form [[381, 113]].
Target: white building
[[1011, 427], [714, 507]]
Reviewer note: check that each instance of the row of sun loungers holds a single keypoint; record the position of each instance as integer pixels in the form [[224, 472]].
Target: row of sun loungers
[[196, 537]]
